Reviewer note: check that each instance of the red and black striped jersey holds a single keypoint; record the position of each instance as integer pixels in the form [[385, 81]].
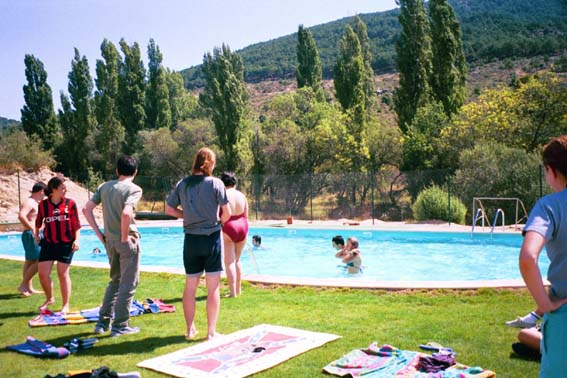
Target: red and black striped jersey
[[61, 220]]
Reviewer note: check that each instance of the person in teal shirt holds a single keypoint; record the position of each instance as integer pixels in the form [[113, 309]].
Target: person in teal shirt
[[547, 226]]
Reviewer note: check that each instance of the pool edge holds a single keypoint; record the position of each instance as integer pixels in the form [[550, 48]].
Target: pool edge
[[353, 283]]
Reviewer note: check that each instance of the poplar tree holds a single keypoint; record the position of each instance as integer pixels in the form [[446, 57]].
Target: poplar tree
[[309, 71], [38, 115], [158, 111], [349, 74], [449, 69], [131, 93], [413, 57], [77, 116], [109, 135], [362, 33], [224, 98]]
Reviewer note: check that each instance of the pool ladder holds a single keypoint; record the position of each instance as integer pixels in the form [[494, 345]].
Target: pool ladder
[[481, 215]]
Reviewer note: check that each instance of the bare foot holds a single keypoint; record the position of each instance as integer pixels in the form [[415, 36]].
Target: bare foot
[[213, 335], [191, 335], [46, 303], [230, 296], [24, 291], [65, 309], [34, 291]]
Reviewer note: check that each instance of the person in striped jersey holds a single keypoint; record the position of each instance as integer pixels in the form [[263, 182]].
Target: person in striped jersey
[[58, 218]]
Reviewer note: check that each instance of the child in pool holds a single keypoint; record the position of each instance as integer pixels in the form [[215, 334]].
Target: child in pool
[[352, 257]]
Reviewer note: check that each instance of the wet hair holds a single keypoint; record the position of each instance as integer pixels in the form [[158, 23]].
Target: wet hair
[[53, 184], [203, 162], [353, 241], [39, 187], [229, 179], [126, 166], [257, 239], [555, 154], [338, 240]]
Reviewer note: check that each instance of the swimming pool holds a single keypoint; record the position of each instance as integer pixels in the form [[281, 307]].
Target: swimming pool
[[386, 255]]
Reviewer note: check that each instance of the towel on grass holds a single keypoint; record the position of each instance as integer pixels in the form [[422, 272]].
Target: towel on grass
[[50, 318], [387, 361]]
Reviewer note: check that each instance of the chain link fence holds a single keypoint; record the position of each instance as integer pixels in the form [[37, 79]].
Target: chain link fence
[[387, 195]]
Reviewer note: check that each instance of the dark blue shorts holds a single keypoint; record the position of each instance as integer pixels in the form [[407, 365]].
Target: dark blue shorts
[[202, 253], [62, 252]]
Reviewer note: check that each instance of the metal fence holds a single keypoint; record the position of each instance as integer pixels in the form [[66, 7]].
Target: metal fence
[[388, 195]]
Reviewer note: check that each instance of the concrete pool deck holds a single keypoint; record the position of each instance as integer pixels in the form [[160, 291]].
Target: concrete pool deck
[[343, 224]]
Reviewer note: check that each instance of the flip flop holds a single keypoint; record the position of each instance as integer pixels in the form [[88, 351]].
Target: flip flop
[[435, 347]]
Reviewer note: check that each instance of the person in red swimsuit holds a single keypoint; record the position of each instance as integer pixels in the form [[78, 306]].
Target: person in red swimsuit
[[234, 232]]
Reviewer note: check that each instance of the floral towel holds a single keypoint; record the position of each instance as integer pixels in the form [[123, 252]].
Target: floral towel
[[387, 361]]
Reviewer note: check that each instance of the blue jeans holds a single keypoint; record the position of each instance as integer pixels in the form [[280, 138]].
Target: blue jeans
[[124, 259], [554, 344]]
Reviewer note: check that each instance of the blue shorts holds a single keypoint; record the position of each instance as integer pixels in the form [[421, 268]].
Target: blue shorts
[[554, 344], [30, 246], [202, 253], [62, 252]]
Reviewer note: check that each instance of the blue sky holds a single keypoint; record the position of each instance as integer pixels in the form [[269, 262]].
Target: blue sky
[[183, 29]]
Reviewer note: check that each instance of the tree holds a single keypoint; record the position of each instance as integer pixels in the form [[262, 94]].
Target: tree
[[224, 98], [496, 170], [413, 58], [349, 74], [525, 117], [449, 67], [77, 116], [181, 103], [131, 93], [158, 110], [308, 71], [422, 143], [38, 115], [109, 134], [362, 33]]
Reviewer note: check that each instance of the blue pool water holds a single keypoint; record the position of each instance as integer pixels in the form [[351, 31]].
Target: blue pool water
[[386, 255]]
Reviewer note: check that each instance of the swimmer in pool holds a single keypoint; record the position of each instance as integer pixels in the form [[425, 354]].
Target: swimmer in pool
[[339, 244], [352, 257]]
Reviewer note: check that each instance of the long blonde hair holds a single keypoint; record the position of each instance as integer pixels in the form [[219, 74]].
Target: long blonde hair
[[204, 162]]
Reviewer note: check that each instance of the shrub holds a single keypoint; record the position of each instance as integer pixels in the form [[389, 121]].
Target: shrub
[[433, 203], [17, 150]]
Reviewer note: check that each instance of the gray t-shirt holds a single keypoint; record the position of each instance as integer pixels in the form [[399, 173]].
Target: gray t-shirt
[[114, 195], [549, 219], [200, 197]]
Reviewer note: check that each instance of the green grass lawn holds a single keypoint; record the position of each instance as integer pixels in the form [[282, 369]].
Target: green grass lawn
[[471, 322]]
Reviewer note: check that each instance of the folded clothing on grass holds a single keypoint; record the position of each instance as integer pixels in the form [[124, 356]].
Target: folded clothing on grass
[[387, 361], [39, 348]]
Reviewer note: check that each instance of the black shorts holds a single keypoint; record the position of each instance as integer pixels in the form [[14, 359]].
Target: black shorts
[[202, 253], [62, 252]]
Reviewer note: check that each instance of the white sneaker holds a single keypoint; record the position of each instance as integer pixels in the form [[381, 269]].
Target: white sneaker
[[521, 323]]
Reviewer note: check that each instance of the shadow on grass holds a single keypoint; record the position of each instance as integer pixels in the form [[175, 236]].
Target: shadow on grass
[[135, 346], [28, 314], [126, 347], [11, 296]]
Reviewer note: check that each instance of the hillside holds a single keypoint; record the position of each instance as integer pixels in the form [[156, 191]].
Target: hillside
[[492, 29], [9, 205], [6, 123]]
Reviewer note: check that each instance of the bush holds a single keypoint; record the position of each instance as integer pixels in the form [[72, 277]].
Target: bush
[[432, 203], [17, 150]]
